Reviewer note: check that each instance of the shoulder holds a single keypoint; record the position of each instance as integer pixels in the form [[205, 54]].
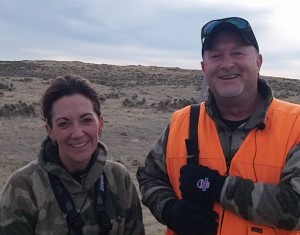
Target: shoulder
[[182, 112], [116, 170], [186, 111], [181, 116], [115, 166], [24, 175], [118, 177], [23, 182], [285, 107]]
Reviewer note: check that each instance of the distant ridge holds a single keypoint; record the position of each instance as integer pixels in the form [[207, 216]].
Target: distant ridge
[[53, 68], [127, 75]]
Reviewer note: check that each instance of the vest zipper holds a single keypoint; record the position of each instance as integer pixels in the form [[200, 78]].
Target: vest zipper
[[222, 219], [228, 153]]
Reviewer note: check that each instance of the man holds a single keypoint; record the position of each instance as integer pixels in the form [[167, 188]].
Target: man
[[248, 166]]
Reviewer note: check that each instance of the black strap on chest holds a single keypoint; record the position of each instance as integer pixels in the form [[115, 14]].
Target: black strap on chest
[[99, 201], [66, 204], [192, 142], [74, 219]]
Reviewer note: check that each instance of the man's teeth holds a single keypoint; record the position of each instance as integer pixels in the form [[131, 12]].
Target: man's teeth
[[229, 76]]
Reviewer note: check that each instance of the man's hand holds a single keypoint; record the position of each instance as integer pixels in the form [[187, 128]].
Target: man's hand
[[200, 184], [188, 218]]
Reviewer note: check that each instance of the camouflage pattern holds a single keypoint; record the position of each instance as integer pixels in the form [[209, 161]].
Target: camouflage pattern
[[28, 205], [257, 202]]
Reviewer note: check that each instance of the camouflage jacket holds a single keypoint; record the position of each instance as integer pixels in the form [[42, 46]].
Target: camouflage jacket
[[28, 205], [278, 200]]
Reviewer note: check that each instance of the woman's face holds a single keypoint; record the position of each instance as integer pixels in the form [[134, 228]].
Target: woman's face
[[76, 128]]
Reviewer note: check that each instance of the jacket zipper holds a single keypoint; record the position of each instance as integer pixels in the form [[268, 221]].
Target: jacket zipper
[[228, 162]]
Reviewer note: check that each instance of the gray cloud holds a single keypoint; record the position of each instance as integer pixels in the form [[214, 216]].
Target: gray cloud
[[145, 32]]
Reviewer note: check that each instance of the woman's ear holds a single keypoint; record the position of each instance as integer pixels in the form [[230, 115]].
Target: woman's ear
[[49, 131], [101, 124]]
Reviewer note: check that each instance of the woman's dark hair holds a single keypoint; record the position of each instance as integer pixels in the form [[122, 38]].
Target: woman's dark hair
[[66, 86]]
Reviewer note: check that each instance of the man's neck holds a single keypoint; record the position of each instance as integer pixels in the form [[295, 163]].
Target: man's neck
[[238, 109]]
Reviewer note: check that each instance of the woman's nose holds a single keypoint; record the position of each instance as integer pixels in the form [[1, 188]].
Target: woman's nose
[[77, 131]]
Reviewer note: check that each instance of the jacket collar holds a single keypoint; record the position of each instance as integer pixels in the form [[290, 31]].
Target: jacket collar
[[50, 161]]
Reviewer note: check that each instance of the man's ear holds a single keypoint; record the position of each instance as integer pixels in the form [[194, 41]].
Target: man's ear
[[203, 66], [259, 60]]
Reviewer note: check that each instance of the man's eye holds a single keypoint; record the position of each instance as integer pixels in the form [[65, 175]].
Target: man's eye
[[238, 53], [215, 56]]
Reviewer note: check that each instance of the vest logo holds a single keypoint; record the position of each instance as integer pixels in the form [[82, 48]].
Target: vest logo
[[203, 184]]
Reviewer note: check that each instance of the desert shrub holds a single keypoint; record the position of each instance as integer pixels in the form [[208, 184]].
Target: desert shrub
[[8, 87], [27, 80], [111, 95], [166, 105], [18, 109], [102, 98], [134, 102], [284, 94], [171, 105]]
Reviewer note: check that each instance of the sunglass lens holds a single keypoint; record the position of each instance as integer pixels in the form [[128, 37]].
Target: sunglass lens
[[240, 23], [209, 27]]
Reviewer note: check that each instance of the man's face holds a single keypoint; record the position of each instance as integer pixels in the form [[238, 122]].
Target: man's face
[[231, 67]]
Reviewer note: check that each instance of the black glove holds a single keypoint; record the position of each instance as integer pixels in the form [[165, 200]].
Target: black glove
[[200, 184], [188, 218]]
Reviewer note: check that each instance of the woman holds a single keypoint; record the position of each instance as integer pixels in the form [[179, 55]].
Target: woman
[[72, 188]]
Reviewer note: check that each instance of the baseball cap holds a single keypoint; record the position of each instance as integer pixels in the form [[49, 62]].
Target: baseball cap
[[237, 24]]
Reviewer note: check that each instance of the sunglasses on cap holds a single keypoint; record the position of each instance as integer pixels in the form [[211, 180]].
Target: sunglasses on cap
[[238, 22]]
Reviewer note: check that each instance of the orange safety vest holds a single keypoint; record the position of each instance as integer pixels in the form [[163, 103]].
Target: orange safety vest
[[261, 157]]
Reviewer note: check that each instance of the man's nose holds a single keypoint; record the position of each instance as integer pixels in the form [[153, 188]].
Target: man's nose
[[227, 63]]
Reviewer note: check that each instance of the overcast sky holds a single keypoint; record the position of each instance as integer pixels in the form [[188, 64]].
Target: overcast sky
[[145, 32]]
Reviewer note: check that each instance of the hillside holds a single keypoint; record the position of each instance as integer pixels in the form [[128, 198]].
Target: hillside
[[137, 103]]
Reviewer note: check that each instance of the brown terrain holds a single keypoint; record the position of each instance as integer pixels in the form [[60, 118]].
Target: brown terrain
[[137, 103]]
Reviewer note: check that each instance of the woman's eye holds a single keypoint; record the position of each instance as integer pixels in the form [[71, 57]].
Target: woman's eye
[[87, 120], [63, 124]]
